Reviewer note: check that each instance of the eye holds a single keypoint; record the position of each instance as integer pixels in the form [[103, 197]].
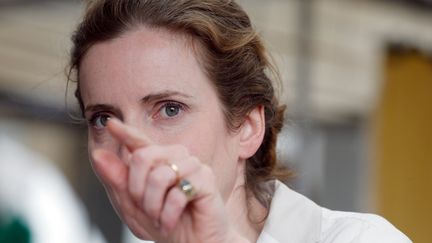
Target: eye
[[99, 121], [170, 110]]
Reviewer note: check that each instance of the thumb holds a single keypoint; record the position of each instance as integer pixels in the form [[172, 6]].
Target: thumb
[[112, 172]]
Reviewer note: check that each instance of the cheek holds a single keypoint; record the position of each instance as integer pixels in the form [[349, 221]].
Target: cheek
[[200, 144], [218, 149], [226, 166], [203, 140]]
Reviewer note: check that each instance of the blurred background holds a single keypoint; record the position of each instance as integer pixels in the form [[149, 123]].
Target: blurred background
[[357, 79]]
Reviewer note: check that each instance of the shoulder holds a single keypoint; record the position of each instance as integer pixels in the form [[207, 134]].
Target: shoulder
[[295, 217], [350, 227]]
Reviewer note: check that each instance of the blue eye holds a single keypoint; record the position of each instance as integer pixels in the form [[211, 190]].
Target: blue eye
[[99, 121], [171, 110]]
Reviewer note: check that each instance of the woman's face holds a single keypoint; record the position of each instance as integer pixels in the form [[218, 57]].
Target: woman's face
[[151, 80]]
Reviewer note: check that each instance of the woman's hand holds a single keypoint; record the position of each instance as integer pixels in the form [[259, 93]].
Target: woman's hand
[[145, 192]]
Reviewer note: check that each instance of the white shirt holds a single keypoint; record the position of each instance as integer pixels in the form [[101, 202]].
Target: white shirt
[[294, 218]]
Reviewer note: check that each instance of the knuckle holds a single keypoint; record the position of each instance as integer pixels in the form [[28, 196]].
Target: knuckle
[[156, 179], [146, 155], [152, 149], [179, 149], [138, 156]]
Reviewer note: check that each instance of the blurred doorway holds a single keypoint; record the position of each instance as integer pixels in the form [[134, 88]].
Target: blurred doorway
[[403, 135]]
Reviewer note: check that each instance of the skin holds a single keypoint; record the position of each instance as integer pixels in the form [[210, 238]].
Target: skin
[[170, 115]]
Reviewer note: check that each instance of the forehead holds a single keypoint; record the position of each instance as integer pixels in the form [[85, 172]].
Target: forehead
[[155, 46], [144, 57]]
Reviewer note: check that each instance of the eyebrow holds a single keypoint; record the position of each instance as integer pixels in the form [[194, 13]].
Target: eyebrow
[[163, 95], [99, 107]]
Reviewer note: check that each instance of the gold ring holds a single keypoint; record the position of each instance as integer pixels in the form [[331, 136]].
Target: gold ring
[[187, 188], [175, 168]]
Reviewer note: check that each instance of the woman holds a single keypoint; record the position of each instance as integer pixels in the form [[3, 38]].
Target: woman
[[183, 122]]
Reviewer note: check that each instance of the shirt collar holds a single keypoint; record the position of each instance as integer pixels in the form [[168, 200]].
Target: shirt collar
[[292, 217]]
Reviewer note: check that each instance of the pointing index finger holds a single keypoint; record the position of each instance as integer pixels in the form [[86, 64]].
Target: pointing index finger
[[129, 136]]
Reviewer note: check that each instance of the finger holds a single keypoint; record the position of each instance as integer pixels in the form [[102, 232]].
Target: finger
[[160, 180], [144, 159], [205, 191], [174, 205], [113, 174], [176, 200], [110, 169], [127, 135], [139, 169], [139, 223]]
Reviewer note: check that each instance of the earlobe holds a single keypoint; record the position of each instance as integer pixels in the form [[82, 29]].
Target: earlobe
[[252, 133]]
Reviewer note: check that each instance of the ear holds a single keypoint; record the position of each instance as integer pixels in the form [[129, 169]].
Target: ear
[[252, 133]]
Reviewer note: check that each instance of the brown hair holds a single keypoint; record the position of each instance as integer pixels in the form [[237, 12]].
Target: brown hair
[[231, 53]]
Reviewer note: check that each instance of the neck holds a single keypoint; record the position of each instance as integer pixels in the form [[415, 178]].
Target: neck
[[245, 214]]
